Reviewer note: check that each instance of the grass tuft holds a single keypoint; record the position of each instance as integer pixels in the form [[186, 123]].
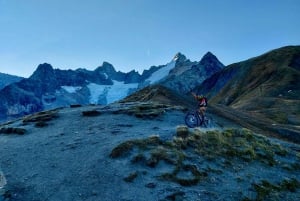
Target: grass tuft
[[41, 116], [182, 131], [12, 130], [266, 190], [122, 149], [229, 147], [146, 110]]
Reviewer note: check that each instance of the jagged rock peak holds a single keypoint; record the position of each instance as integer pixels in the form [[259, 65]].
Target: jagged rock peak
[[106, 68], [209, 56], [209, 59], [43, 70], [133, 71], [45, 67], [179, 57]]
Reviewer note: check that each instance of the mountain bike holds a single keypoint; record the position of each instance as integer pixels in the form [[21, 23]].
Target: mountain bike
[[195, 119]]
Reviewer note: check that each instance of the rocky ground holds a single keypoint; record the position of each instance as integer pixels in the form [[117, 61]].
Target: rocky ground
[[140, 151]]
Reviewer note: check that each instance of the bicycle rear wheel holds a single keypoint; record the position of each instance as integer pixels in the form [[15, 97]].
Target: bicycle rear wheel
[[191, 119]]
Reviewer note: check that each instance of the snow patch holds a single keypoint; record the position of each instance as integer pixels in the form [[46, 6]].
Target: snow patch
[[176, 57], [161, 73], [113, 93], [71, 89], [105, 75]]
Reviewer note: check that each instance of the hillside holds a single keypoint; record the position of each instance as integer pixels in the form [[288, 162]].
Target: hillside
[[266, 87], [274, 74], [140, 151], [160, 94]]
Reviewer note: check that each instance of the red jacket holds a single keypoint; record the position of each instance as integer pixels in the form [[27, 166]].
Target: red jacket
[[202, 100]]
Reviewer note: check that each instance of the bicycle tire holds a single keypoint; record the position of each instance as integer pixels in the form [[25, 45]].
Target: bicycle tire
[[192, 120]]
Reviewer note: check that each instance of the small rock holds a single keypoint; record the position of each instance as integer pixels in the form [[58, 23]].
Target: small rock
[[150, 185], [131, 177]]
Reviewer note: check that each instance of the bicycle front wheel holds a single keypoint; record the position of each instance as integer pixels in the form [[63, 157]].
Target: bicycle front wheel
[[191, 120]]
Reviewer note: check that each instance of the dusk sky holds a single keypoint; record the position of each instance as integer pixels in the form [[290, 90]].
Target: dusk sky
[[136, 34]]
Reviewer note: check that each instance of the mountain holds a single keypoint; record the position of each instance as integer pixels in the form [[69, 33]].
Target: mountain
[[6, 79], [109, 71], [261, 93], [49, 88], [182, 75], [273, 74], [139, 148], [265, 87]]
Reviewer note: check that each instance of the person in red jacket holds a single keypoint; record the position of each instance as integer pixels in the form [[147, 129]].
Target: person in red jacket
[[202, 103]]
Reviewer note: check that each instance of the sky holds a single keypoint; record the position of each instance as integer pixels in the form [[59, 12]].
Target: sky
[[137, 34]]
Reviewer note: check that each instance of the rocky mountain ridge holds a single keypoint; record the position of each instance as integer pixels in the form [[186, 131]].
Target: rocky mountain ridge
[[6, 79], [193, 75], [49, 88]]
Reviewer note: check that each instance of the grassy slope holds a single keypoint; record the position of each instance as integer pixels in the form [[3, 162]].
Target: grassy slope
[[265, 87], [160, 94], [265, 82]]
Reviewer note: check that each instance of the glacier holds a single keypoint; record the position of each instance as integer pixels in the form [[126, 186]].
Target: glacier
[[161, 73], [111, 93]]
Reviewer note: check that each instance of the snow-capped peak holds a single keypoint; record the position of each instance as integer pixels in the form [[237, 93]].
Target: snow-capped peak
[[175, 58], [179, 57]]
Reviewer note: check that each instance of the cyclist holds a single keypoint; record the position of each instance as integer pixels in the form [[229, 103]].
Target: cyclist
[[202, 103]]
